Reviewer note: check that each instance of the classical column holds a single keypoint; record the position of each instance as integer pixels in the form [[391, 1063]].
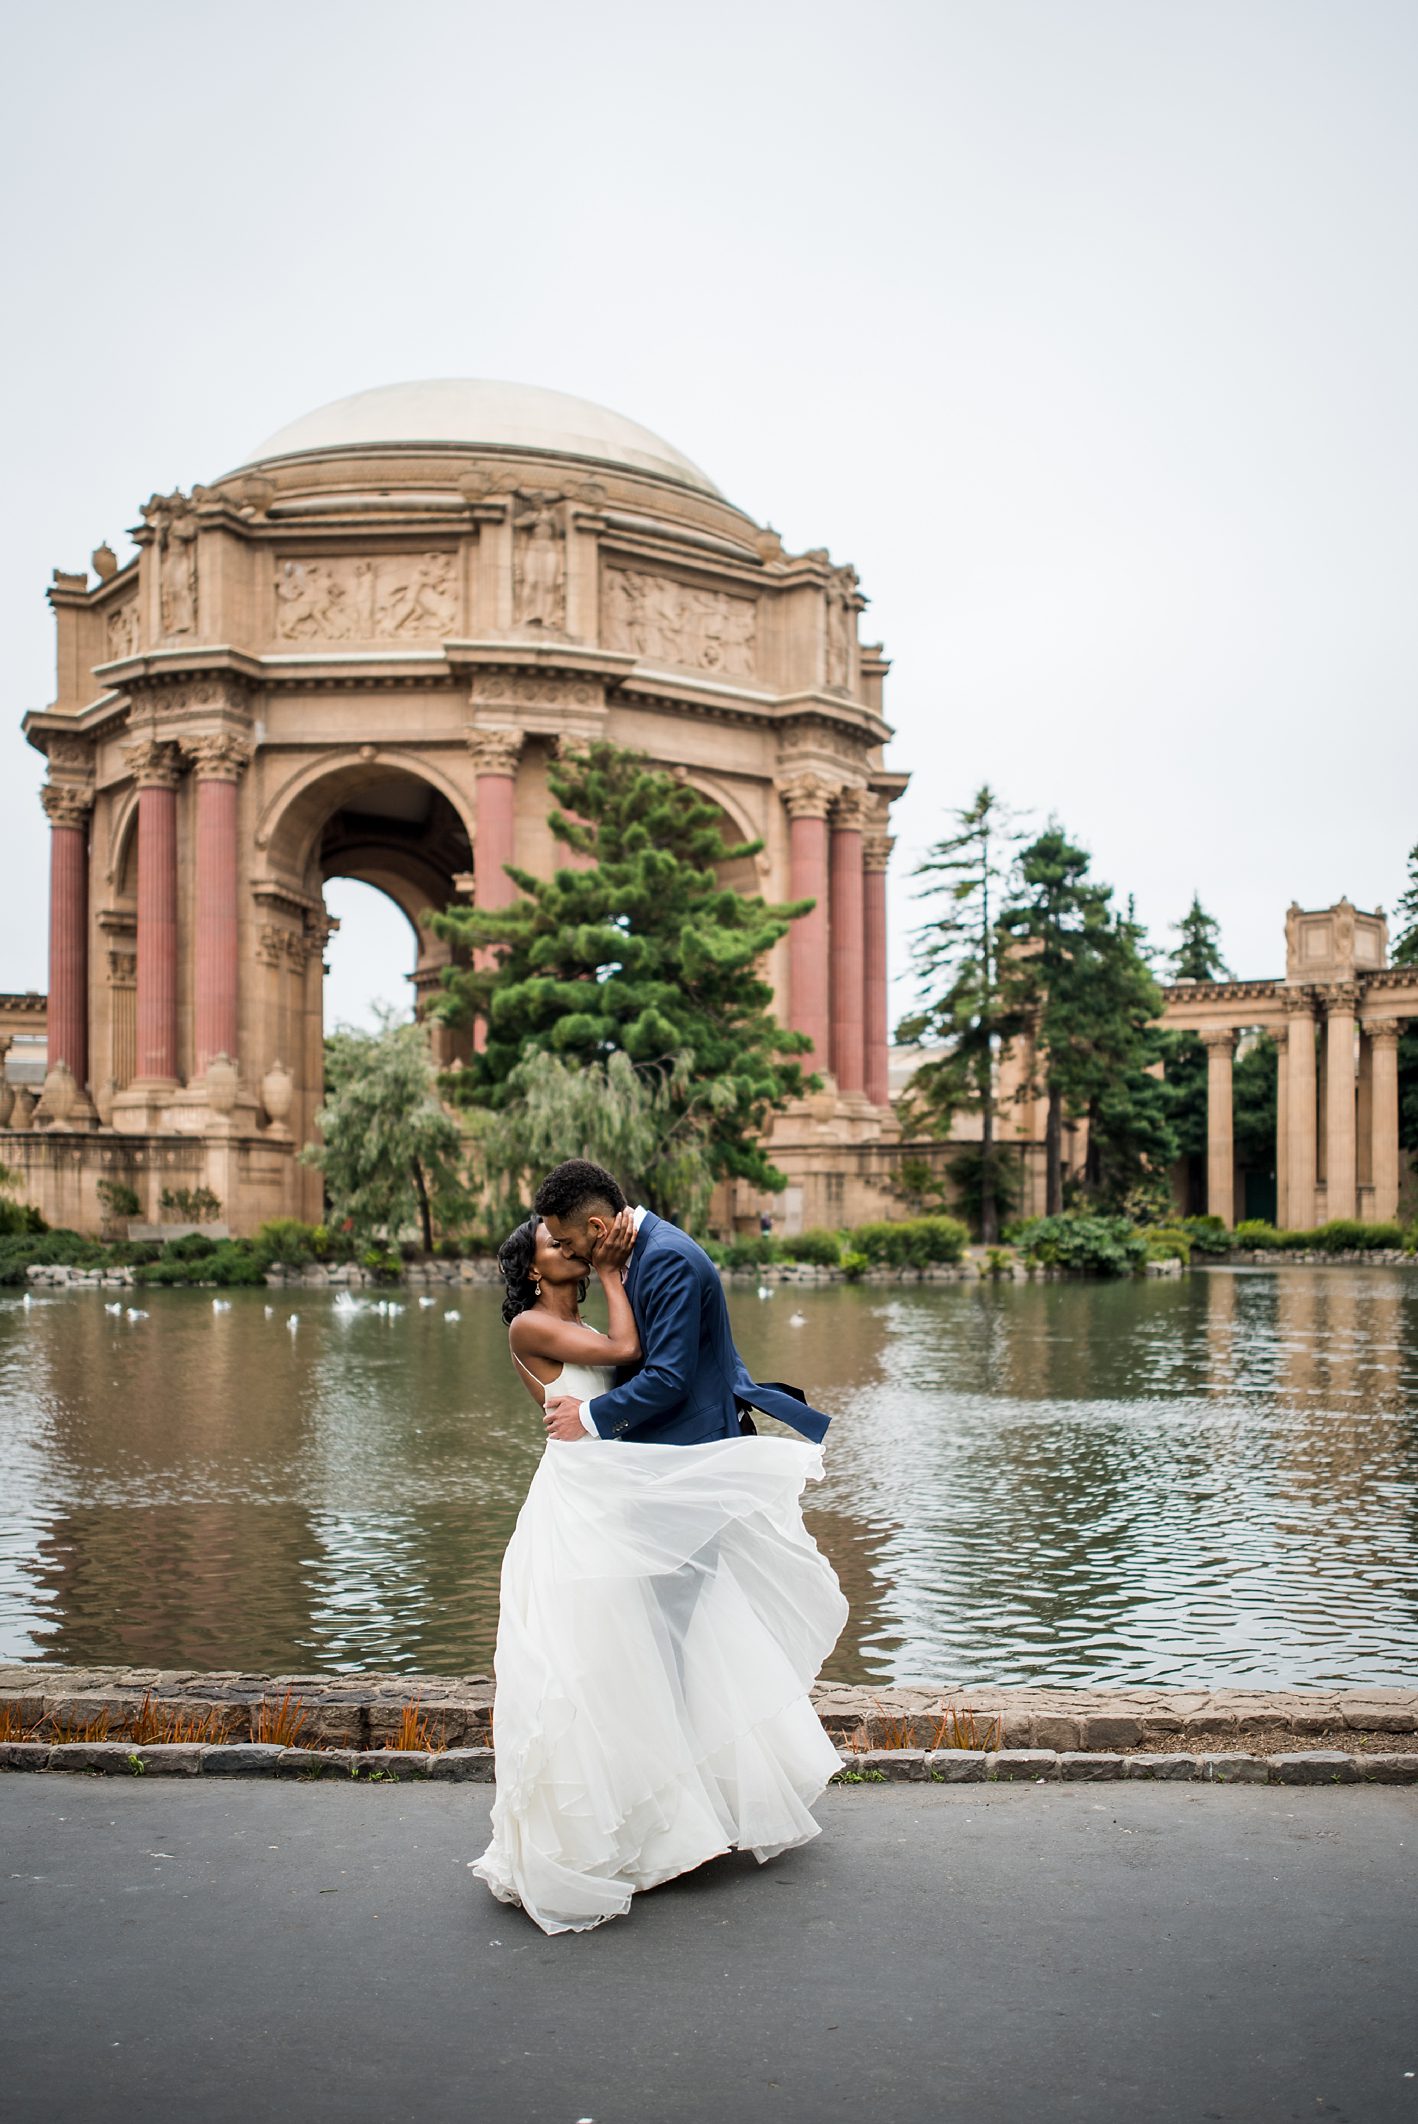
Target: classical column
[[1383, 1039], [68, 807], [876, 855], [848, 959], [217, 762], [807, 800], [495, 756], [1301, 1117], [155, 768], [1341, 1162], [1280, 1034], [1220, 1044]]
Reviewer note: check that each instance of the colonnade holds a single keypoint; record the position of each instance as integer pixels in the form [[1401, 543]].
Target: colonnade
[[1337, 1149], [837, 992]]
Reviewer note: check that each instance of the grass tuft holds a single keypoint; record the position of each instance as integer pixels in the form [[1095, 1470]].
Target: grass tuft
[[898, 1729], [415, 1733], [86, 1729], [279, 1725], [13, 1726]]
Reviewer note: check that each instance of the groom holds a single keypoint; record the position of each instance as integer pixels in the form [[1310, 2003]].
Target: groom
[[690, 1384]]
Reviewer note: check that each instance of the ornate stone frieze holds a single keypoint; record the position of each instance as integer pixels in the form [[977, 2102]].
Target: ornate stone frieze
[[677, 623], [279, 945], [121, 631], [153, 763], [495, 751], [70, 755], [122, 968], [389, 597], [67, 803], [217, 756], [854, 811], [539, 562], [807, 796], [809, 741], [198, 695], [537, 689]]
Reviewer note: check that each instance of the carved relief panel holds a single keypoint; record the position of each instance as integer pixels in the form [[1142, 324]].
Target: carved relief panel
[[678, 623], [389, 597], [120, 632], [539, 563]]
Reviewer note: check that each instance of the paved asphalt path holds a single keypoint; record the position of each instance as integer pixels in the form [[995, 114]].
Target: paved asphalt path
[[1113, 1953]]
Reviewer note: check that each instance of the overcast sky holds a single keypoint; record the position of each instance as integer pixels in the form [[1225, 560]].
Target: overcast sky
[[1085, 330]]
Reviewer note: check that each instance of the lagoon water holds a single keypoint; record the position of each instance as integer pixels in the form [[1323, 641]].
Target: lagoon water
[[1202, 1482]]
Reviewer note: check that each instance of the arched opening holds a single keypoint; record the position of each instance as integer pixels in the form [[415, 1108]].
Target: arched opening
[[371, 958]]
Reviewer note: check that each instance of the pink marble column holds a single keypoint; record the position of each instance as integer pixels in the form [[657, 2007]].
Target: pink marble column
[[68, 810], [848, 914], [495, 756], [217, 761], [807, 801], [876, 855], [156, 768]]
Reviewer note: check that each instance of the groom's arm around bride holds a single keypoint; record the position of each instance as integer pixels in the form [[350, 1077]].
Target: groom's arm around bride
[[692, 1383]]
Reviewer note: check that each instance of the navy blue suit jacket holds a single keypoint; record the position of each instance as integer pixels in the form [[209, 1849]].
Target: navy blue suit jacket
[[691, 1382]]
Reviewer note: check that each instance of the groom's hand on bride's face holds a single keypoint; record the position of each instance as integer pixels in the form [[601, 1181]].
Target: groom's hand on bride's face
[[561, 1414]]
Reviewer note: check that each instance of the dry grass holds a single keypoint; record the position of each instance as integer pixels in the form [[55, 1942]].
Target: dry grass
[[86, 1729], [154, 1724], [13, 1726], [415, 1732], [899, 1729], [280, 1725]]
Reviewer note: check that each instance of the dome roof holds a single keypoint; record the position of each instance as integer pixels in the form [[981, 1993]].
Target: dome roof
[[473, 411]]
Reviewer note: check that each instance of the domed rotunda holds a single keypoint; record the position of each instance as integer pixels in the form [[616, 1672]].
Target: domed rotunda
[[353, 656]]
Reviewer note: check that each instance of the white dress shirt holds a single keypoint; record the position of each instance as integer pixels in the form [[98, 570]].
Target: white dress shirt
[[639, 1215]]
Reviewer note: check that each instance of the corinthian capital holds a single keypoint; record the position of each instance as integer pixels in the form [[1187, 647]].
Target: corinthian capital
[[876, 851], [1383, 1032], [807, 796], [1341, 998], [495, 751], [1219, 1037], [153, 763], [219, 756], [67, 803], [854, 811]]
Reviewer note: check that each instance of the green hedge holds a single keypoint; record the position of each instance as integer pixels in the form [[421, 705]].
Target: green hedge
[[911, 1242], [1342, 1235], [1093, 1246]]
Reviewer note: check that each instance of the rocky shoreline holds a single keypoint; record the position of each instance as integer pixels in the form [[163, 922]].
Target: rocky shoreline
[[398, 1726]]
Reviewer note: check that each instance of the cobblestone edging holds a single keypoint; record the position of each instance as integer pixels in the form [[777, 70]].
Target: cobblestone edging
[[347, 1722]]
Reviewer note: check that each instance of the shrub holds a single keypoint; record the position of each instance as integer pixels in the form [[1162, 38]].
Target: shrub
[[192, 1246], [821, 1249], [117, 1199], [287, 1239], [20, 1218], [1168, 1242], [854, 1266], [910, 1242], [383, 1264], [756, 1252], [1208, 1235], [1096, 1246], [999, 1260], [1256, 1232], [190, 1205]]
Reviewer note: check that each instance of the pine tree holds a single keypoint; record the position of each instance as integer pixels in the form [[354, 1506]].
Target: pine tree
[[642, 952], [1081, 973], [958, 973], [1198, 956]]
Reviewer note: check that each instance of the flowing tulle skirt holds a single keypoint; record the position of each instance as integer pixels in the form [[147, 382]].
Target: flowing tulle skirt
[[664, 1614]]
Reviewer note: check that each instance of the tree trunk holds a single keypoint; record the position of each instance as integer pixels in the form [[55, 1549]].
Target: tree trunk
[[425, 1214], [989, 1220], [1053, 1155]]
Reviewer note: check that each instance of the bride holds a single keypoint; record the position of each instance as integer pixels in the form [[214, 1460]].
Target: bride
[[664, 1612]]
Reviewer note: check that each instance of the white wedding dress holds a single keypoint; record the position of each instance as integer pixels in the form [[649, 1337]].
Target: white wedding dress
[[664, 1614]]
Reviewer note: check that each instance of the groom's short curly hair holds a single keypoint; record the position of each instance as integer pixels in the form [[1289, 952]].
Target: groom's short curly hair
[[570, 1188]]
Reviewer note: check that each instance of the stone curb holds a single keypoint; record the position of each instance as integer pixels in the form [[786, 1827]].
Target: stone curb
[[866, 1766]]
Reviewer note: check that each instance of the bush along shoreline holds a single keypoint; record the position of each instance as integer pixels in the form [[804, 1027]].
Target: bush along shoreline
[[935, 1249]]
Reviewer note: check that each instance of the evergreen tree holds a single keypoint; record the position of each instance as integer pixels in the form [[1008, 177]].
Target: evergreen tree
[[1405, 953], [1198, 956], [1080, 971], [391, 1152], [963, 999], [642, 952]]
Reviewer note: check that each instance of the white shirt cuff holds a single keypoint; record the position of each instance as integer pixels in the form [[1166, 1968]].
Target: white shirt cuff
[[585, 1413]]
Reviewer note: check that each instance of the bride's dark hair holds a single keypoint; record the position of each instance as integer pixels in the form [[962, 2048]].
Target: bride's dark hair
[[514, 1260]]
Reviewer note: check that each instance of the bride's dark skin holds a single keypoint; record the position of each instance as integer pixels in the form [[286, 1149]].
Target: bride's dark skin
[[551, 1333]]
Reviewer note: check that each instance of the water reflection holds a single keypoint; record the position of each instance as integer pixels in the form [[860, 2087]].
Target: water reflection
[[1199, 1481]]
